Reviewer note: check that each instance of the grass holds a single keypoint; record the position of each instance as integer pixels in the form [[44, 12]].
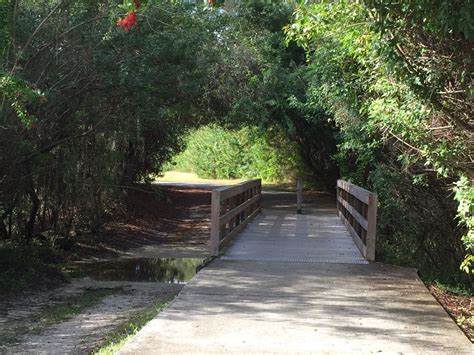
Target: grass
[[458, 284], [176, 176], [458, 290], [74, 305], [56, 313], [71, 272], [182, 177], [124, 332]]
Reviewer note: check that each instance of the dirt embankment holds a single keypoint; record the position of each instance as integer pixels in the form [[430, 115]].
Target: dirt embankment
[[152, 216], [77, 316]]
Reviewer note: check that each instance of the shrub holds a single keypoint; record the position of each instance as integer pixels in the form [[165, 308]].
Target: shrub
[[219, 153]]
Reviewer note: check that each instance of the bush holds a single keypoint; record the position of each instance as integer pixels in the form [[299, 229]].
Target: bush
[[219, 153]]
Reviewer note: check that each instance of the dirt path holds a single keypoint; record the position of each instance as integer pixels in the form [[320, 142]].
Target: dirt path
[[85, 331]]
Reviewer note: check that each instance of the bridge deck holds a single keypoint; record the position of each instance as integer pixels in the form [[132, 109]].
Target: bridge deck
[[279, 234]]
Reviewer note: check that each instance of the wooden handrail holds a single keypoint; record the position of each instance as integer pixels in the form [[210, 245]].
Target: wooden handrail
[[358, 210], [231, 209]]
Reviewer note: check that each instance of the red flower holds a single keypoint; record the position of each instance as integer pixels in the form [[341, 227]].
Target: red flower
[[137, 4], [211, 2], [128, 22]]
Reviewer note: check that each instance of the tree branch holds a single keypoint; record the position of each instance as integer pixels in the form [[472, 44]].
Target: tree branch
[[30, 39]]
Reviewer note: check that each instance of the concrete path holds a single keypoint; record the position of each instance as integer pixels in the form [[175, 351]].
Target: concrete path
[[245, 306]]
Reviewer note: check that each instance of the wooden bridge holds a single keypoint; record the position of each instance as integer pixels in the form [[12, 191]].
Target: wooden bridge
[[292, 283], [325, 233]]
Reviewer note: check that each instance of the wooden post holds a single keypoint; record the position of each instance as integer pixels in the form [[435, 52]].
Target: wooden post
[[299, 196], [371, 227], [215, 225], [258, 191]]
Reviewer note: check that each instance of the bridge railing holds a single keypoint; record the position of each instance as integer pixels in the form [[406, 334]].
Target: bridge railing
[[358, 210], [231, 209]]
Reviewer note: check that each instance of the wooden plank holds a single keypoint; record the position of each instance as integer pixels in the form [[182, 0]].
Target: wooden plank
[[237, 230], [215, 222], [360, 219], [227, 192], [356, 191], [372, 227], [355, 236], [234, 212]]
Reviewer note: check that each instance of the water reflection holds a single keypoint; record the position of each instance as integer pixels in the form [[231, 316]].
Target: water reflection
[[169, 270]]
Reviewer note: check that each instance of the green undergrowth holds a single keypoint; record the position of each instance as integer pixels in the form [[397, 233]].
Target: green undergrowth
[[55, 314], [457, 290], [125, 331], [27, 267], [242, 153], [457, 284]]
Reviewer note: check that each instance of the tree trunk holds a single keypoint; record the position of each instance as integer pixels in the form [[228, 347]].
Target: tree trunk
[[3, 229], [35, 205], [130, 166]]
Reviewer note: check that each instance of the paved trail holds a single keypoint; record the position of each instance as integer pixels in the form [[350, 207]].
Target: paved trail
[[318, 297]]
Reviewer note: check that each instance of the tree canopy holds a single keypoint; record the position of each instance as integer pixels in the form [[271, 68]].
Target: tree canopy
[[94, 99]]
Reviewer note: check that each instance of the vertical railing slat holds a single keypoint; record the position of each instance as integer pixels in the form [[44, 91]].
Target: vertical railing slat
[[215, 222], [372, 226]]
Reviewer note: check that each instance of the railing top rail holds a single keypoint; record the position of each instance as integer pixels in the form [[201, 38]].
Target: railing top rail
[[229, 191], [357, 191]]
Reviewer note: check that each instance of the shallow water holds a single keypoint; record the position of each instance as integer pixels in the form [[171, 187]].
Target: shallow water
[[169, 270]]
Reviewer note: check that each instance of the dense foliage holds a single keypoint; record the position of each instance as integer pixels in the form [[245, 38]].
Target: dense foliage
[[378, 92], [397, 79], [88, 109], [218, 153]]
